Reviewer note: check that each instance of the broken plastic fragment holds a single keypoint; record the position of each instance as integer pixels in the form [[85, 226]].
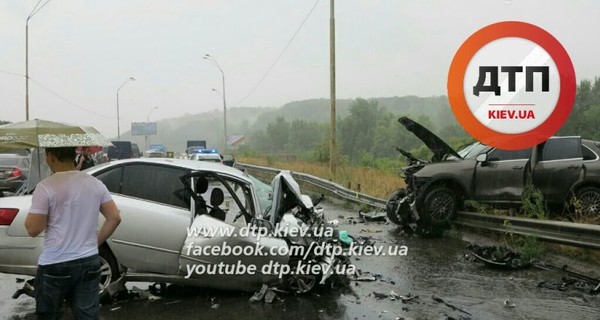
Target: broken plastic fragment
[[270, 296], [343, 236], [258, 296], [509, 304]]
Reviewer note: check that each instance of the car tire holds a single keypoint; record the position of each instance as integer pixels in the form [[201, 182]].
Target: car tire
[[302, 284], [109, 268], [438, 210], [391, 206], [589, 201]]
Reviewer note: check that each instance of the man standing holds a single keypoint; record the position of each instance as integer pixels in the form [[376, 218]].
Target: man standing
[[66, 206], [84, 159]]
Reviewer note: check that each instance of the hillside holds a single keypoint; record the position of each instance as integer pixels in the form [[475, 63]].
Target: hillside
[[174, 132]]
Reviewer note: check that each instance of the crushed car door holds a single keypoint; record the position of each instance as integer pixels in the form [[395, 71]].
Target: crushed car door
[[560, 166], [217, 253]]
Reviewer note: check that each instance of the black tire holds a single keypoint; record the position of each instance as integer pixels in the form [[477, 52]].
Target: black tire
[[438, 210], [391, 206], [589, 201], [109, 268]]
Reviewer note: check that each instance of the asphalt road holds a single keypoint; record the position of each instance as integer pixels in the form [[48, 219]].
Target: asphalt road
[[432, 269]]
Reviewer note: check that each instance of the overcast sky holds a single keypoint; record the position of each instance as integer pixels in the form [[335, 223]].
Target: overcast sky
[[82, 51]]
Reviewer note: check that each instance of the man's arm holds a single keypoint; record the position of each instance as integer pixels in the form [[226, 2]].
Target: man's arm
[[79, 163], [35, 223], [110, 211]]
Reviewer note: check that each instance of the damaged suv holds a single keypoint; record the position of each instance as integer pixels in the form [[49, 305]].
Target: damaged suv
[[562, 168]]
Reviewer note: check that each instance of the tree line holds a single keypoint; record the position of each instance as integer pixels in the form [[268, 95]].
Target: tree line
[[368, 133]]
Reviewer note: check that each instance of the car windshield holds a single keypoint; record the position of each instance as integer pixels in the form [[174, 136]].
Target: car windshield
[[472, 151]]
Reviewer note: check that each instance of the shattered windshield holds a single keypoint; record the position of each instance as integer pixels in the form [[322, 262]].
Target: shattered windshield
[[263, 192], [473, 150]]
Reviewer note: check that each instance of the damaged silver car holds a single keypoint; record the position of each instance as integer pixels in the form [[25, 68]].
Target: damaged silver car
[[180, 218], [564, 169]]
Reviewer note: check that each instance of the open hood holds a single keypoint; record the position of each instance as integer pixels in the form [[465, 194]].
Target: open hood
[[439, 148]]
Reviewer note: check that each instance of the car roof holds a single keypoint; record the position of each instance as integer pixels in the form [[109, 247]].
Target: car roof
[[181, 163]]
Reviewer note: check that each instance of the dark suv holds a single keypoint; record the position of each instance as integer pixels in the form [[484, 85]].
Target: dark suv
[[561, 168]]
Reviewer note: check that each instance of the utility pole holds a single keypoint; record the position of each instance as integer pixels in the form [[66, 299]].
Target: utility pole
[[332, 145], [35, 10]]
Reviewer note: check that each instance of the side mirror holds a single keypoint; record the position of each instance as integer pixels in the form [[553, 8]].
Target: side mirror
[[482, 158]]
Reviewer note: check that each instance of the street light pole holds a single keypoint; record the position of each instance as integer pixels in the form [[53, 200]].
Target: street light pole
[[118, 114], [148, 121], [211, 58], [35, 10]]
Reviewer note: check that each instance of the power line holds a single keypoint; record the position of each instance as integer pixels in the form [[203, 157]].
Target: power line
[[12, 74], [59, 96], [37, 8], [68, 101], [280, 55]]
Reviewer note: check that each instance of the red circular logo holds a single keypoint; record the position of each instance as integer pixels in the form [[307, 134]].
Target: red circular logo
[[511, 85]]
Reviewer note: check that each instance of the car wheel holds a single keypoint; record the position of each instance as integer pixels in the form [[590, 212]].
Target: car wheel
[[440, 205], [302, 283], [391, 206], [589, 201], [109, 269]]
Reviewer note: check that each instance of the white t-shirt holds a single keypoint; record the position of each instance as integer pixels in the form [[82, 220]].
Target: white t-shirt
[[72, 200]]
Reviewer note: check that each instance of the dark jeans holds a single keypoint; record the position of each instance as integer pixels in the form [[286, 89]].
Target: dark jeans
[[77, 281]]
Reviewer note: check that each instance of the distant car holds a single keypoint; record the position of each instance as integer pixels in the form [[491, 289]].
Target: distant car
[[122, 150], [135, 151], [154, 154], [228, 160], [210, 157], [562, 168], [14, 170]]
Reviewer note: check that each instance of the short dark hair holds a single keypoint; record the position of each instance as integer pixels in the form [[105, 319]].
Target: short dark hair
[[63, 154]]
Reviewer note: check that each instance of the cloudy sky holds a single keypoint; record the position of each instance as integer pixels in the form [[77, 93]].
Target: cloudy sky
[[81, 52]]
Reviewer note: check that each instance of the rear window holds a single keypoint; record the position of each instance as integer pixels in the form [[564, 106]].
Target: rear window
[[562, 148]]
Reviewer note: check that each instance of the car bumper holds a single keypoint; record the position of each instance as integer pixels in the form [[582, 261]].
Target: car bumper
[[10, 185]]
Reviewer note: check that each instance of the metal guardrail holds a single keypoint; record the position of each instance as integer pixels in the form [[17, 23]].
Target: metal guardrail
[[574, 234], [569, 233], [324, 184]]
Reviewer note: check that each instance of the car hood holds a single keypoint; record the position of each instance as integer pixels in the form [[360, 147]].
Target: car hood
[[439, 148]]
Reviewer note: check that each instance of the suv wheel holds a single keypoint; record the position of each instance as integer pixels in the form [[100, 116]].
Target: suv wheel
[[440, 205], [589, 201]]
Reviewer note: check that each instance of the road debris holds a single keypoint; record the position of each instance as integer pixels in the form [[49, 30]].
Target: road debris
[[213, 303], [373, 216], [509, 304], [497, 257], [140, 294], [453, 307], [270, 296], [370, 230], [364, 276], [27, 289], [259, 295], [569, 278]]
